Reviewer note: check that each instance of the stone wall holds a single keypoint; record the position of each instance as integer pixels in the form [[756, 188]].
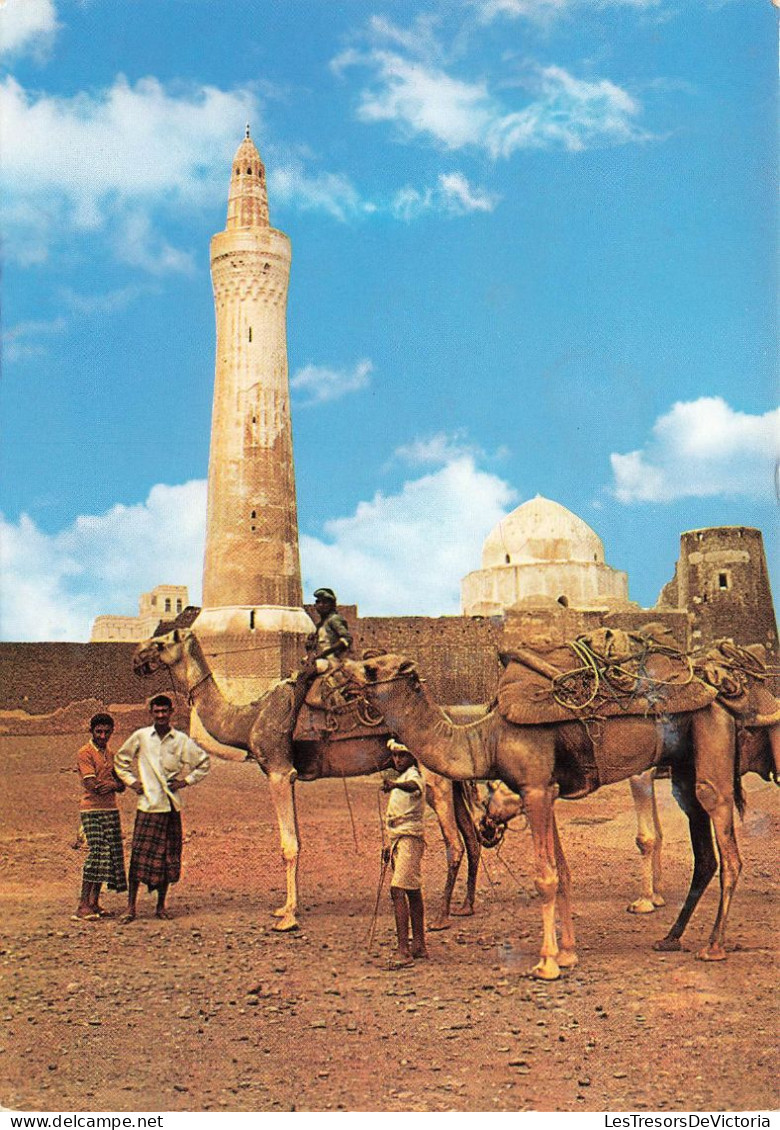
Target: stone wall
[[42, 677]]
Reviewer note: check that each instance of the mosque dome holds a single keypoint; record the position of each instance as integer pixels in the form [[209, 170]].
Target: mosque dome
[[541, 531]]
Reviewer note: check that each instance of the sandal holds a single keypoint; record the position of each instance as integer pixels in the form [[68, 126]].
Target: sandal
[[85, 917]]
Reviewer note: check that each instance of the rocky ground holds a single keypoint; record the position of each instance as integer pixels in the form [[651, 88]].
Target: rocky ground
[[215, 1011]]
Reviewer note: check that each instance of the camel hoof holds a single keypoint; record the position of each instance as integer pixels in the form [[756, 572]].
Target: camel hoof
[[667, 945], [641, 906], [465, 911], [711, 953], [546, 970], [284, 925], [439, 924], [567, 959]]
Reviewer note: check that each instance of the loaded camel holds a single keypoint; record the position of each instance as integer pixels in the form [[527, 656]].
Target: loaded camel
[[263, 729], [737, 676], [541, 762]]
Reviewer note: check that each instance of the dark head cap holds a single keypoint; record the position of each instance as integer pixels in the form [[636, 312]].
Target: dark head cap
[[325, 594]]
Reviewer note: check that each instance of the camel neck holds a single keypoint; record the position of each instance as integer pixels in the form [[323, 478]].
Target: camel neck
[[458, 752]]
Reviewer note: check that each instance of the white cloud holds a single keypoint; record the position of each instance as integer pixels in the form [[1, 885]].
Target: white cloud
[[28, 339], [423, 100], [544, 10], [109, 302], [406, 553], [453, 195], [568, 113], [27, 25], [698, 449], [320, 384], [436, 449], [332, 193], [53, 585], [104, 161]]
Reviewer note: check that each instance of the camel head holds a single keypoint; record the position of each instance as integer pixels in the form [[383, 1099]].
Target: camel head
[[371, 674], [160, 651], [500, 805]]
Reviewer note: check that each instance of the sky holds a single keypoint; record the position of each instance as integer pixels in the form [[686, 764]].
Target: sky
[[534, 252]]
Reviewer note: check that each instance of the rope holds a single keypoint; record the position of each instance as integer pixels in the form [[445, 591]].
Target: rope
[[382, 872], [351, 814]]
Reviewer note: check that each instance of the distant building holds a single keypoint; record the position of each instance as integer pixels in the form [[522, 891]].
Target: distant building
[[722, 579], [164, 602], [542, 553]]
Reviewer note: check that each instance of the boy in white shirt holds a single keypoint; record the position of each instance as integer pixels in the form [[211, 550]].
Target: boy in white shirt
[[404, 820]]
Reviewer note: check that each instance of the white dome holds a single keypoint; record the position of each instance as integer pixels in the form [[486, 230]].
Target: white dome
[[541, 531]]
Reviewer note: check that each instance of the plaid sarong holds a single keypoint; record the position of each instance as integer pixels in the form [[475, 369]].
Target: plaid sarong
[[105, 862], [155, 858]]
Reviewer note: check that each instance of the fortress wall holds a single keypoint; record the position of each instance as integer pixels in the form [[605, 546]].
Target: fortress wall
[[42, 677], [458, 655]]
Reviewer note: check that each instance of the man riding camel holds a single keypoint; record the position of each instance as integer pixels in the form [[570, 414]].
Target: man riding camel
[[331, 640]]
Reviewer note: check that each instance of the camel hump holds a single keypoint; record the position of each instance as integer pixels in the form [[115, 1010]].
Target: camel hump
[[608, 673], [739, 675]]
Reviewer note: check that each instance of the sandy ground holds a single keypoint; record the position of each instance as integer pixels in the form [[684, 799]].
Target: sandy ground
[[215, 1011]]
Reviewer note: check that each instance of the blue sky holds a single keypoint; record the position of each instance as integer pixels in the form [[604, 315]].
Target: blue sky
[[534, 252]]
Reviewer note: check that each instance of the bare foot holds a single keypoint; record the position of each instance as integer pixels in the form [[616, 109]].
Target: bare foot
[[164, 914], [128, 916], [420, 953]]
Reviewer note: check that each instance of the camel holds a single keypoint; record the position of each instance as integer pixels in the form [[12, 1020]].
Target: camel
[[263, 730], [540, 762]]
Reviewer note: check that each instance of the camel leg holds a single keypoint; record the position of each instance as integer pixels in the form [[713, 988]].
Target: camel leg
[[704, 862], [649, 840], [473, 849], [538, 807], [567, 956], [439, 793], [714, 738], [721, 812], [282, 788]]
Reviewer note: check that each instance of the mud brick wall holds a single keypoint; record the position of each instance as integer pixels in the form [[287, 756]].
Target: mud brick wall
[[42, 677], [458, 655]]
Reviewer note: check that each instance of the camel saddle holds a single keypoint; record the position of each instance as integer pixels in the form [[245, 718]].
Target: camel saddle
[[608, 673], [739, 676], [333, 712]]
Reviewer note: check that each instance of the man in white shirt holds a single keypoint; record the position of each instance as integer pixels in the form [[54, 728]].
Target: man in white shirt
[[157, 762]]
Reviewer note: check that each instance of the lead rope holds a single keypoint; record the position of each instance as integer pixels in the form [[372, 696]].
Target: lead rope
[[382, 872], [351, 814]]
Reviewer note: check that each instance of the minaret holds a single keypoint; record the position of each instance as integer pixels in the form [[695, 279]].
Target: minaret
[[251, 571]]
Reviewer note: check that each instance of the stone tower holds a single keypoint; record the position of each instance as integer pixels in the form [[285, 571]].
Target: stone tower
[[251, 572], [722, 580]]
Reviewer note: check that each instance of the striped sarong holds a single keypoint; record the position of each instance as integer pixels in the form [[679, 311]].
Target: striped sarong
[[105, 862], [155, 858]]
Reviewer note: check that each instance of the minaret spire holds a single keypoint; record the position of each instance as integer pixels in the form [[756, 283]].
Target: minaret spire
[[248, 196]]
